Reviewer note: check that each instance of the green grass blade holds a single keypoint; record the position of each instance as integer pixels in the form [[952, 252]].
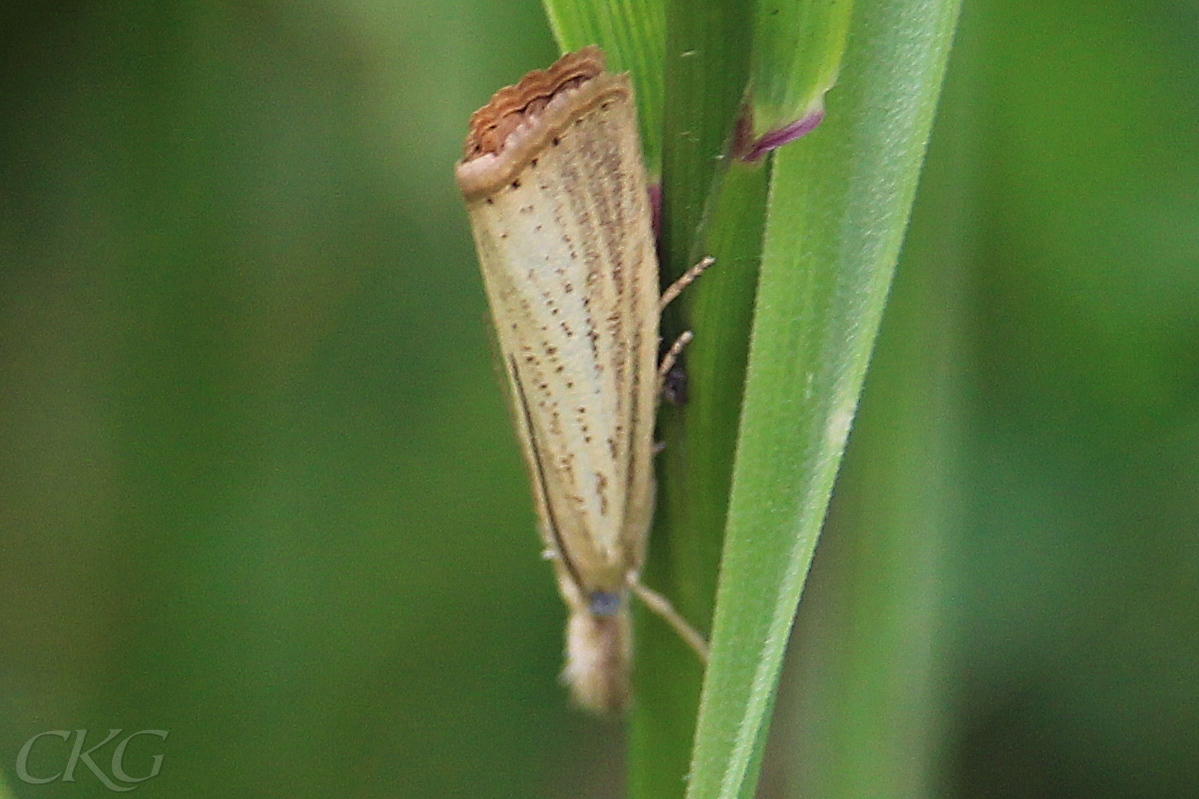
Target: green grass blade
[[707, 68], [696, 470], [839, 204], [633, 35], [868, 674]]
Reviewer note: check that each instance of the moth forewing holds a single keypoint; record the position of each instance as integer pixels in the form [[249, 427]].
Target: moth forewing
[[556, 192]]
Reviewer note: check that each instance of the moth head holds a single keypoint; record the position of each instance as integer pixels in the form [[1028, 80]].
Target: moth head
[[605, 603]]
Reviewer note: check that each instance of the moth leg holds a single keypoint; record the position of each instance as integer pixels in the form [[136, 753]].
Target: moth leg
[[672, 355], [661, 606], [683, 282]]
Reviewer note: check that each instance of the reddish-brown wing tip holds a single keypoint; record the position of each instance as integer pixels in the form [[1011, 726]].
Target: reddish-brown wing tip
[[513, 106]]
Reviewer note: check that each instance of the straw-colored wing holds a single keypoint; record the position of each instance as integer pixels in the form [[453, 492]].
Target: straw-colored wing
[[556, 191]]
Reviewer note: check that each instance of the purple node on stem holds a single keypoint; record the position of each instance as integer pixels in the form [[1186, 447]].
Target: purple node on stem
[[772, 139]]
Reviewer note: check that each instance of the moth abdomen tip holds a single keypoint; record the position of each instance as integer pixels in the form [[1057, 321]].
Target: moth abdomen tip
[[598, 655]]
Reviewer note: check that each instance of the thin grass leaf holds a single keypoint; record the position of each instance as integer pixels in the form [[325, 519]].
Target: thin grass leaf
[[707, 68], [696, 473], [839, 204], [870, 716]]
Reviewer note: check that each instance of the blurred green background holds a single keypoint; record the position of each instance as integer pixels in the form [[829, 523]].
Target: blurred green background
[[257, 483]]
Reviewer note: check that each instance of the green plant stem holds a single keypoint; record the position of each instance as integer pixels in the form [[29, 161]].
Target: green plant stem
[[707, 67], [838, 209], [698, 463]]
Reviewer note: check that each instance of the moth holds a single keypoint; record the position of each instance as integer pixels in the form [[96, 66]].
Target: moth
[[556, 192]]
